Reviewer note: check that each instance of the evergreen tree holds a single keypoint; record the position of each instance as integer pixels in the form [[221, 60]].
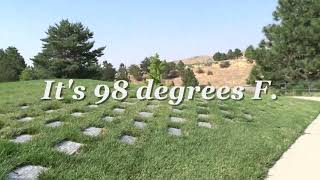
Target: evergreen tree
[[217, 56], [108, 71], [250, 52], [155, 68], [11, 64], [122, 73], [168, 70], [237, 53], [230, 54], [188, 78], [180, 67], [136, 72], [144, 65], [68, 51], [291, 50]]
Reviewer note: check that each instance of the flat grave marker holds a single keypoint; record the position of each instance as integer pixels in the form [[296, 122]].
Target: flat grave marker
[[22, 138], [128, 139], [92, 131], [28, 172], [68, 147]]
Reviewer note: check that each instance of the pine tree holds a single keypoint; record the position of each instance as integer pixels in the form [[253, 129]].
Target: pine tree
[[68, 51], [144, 65], [188, 78], [108, 71], [230, 54], [122, 73], [291, 50], [250, 52], [237, 53], [155, 68], [136, 72], [11, 64], [180, 67]]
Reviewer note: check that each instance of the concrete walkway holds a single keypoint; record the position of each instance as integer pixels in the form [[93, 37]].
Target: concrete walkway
[[302, 159], [311, 98]]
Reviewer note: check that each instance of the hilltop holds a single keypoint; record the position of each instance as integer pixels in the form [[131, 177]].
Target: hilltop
[[236, 74]]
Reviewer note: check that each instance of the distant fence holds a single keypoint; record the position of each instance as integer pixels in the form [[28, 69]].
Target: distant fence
[[310, 89]]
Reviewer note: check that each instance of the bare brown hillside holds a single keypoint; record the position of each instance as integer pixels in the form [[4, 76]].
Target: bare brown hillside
[[196, 60], [235, 74]]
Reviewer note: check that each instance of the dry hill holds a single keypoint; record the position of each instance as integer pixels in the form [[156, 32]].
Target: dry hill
[[235, 74]]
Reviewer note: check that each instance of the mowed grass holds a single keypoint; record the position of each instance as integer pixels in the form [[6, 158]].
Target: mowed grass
[[246, 139]]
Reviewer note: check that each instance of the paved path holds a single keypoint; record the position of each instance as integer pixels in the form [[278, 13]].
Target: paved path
[[307, 98], [302, 159]]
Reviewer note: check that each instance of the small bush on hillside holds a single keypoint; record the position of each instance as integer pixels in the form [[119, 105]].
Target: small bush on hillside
[[173, 74], [225, 64], [199, 71], [209, 73], [168, 70], [250, 61], [188, 78]]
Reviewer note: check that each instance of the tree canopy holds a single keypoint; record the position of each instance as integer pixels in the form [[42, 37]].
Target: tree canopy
[[68, 51], [291, 49], [11, 64]]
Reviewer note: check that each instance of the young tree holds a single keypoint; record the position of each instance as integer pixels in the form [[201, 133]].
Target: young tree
[[68, 51], [108, 71], [11, 64], [180, 67], [155, 68], [136, 72], [188, 78], [122, 73]]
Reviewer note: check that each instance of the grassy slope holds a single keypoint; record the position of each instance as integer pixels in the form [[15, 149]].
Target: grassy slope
[[240, 149]]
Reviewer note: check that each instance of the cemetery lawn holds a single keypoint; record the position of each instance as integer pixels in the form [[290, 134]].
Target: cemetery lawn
[[246, 137]]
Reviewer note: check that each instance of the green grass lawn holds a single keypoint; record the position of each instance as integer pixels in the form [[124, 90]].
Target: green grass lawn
[[237, 147]]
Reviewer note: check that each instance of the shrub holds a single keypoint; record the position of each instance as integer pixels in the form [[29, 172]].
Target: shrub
[[27, 74], [199, 71], [250, 61], [173, 74], [168, 70], [209, 73], [225, 64], [188, 78], [255, 74]]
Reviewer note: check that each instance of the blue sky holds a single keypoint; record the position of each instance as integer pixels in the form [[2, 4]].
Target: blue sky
[[132, 30]]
